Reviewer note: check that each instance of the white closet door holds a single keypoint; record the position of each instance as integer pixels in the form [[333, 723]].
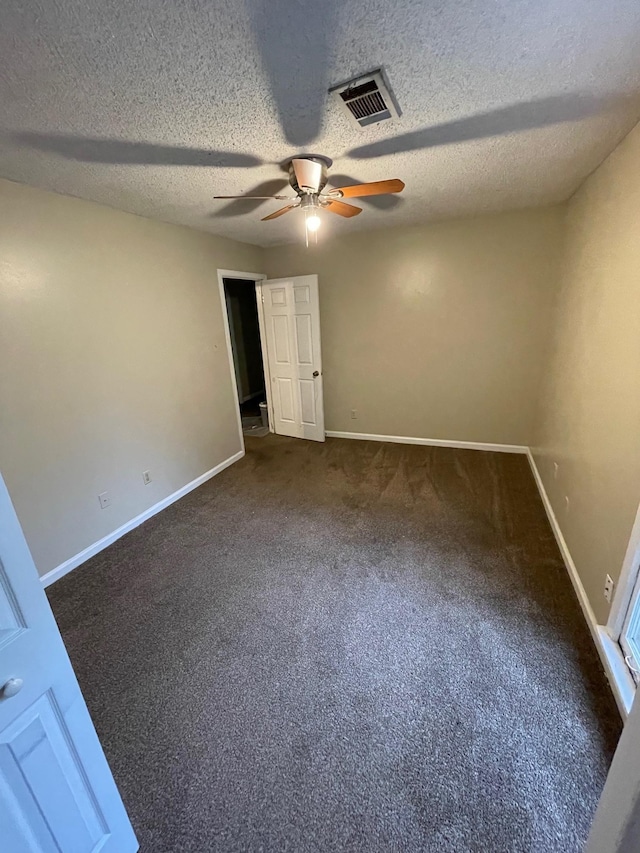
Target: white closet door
[[292, 324], [57, 794]]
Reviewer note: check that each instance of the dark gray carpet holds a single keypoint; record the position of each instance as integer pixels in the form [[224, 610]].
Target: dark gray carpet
[[345, 647]]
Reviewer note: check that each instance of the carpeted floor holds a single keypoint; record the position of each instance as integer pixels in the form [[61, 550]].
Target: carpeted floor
[[345, 647]]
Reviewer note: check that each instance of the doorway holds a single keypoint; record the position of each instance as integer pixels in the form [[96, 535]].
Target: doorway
[[241, 299], [272, 330]]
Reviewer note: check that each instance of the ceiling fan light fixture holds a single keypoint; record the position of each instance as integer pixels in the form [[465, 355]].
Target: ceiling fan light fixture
[[313, 222]]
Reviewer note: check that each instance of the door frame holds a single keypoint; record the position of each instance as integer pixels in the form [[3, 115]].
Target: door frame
[[257, 278], [626, 582], [611, 633]]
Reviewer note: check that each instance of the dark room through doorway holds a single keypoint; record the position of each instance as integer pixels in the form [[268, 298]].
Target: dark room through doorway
[[246, 346]]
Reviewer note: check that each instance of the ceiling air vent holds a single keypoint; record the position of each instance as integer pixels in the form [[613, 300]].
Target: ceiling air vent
[[367, 99]]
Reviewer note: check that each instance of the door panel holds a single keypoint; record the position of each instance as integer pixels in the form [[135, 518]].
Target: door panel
[[308, 401], [302, 294], [56, 791], [38, 763], [292, 322], [304, 339], [278, 296], [285, 399], [12, 621], [280, 325]]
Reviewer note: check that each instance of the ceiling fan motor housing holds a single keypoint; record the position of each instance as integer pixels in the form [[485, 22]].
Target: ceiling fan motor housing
[[309, 201], [308, 174]]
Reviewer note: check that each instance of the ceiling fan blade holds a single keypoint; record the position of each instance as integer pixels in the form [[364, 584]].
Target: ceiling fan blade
[[381, 202], [374, 188], [255, 198], [249, 197], [341, 208], [277, 213], [527, 115], [122, 152]]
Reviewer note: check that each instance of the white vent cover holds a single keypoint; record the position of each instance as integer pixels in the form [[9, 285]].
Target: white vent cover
[[367, 100]]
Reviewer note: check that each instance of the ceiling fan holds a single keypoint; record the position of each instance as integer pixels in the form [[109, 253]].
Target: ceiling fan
[[308, 177]]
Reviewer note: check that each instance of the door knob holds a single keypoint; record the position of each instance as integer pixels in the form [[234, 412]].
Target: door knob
[[316, 373], [11, 688]]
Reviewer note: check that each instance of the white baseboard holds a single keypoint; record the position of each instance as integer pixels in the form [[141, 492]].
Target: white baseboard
[[101, 544], [618, 677], [432, 442]]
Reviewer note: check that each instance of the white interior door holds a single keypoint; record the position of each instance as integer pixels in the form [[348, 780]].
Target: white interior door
[[57, 794], [292, 325]]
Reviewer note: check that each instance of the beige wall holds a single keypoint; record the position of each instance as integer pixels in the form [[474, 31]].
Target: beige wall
[[112, 361], [435, 331], [589, 419]]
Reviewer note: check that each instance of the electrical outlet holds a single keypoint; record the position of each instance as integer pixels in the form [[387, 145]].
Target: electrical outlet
[[146, 477], [555, 470], [566, 503], [354, 414], [608, 588], [105, 500]]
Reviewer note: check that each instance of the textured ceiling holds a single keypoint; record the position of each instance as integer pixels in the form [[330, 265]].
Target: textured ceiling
[[155, 106]]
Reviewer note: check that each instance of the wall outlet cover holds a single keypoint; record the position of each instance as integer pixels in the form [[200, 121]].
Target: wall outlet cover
[[146, 477], [105, 500]]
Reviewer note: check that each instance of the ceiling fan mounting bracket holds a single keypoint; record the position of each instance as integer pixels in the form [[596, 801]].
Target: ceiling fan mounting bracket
[[328, 162]]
